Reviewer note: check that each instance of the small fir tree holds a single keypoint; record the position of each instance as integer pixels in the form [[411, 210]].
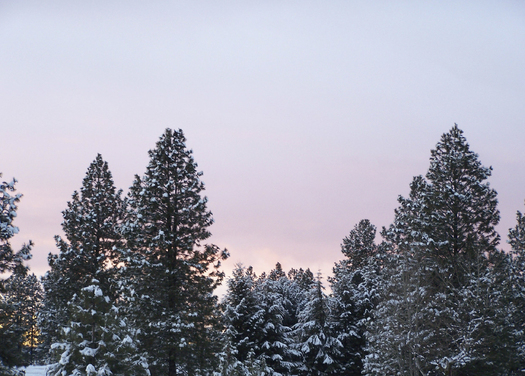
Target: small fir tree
[[315, 339], [276, 349], [243, 316]]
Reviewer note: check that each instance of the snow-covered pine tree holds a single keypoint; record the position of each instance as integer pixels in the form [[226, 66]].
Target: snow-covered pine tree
[[462, 215], [24, 292], [173, 275], [88, 251], [277, 344], [355, 294], [395, 333], [11, 332], [461, 207], [517, 242], [314, 334], [9, 259], [243, 322], [444, 237], [96, 342], [301, 282]]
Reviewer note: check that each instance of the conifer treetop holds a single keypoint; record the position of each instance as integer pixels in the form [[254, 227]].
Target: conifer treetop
[[359, 244], [517, 234], [461, 204], [168, 196], [97, 206], [10, 260]]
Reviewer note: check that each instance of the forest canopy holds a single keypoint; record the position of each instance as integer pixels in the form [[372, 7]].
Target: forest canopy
[[131, 289]]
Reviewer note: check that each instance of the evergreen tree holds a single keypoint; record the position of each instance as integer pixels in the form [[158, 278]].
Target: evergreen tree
[[277, 350], [396, 333], [315, 338], [243, 320], [444, 239], [88, 251], [9, 260], [243, 315], [172, 275], [517, 242], [24, 292], [300, 284], [11, 330], [96, 341], [354, 286]]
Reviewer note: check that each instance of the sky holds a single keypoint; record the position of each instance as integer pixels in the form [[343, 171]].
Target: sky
[[304, 116]]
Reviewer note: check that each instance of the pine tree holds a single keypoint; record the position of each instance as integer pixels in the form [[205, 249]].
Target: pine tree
[[462, 213], [517, 242], [11, 331], [172, 274], [461, 207], [277, 350], [9, 260], [89, 250], [96, 342], [354, 286], [396, 333], [444, 239], [243, 320], [24, 292], [315, 338], [243, 315]]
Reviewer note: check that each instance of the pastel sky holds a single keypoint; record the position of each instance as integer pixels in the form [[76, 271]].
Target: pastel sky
[[305, 116]]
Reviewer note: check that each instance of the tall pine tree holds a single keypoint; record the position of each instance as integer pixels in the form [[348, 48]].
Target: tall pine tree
[[171, 272], [89, 250], [444, 239]]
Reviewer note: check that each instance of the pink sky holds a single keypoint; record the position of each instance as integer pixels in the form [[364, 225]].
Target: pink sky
[[305, 116]]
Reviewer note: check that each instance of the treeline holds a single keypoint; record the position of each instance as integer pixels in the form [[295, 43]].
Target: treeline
[[131, 291]]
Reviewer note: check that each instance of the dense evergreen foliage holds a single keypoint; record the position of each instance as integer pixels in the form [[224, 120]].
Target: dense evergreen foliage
[[517, 242], [97, 341], [354, 286], [438, 304], [15, 305], [24, 292], [88, 251], [170, 273], [131, 291]]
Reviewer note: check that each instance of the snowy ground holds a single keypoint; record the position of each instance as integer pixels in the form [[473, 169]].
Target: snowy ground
[[36, 371]]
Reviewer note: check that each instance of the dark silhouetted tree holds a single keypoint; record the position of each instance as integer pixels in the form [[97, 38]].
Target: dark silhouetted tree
[[172, 274], [438, 306], [89, 250]]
